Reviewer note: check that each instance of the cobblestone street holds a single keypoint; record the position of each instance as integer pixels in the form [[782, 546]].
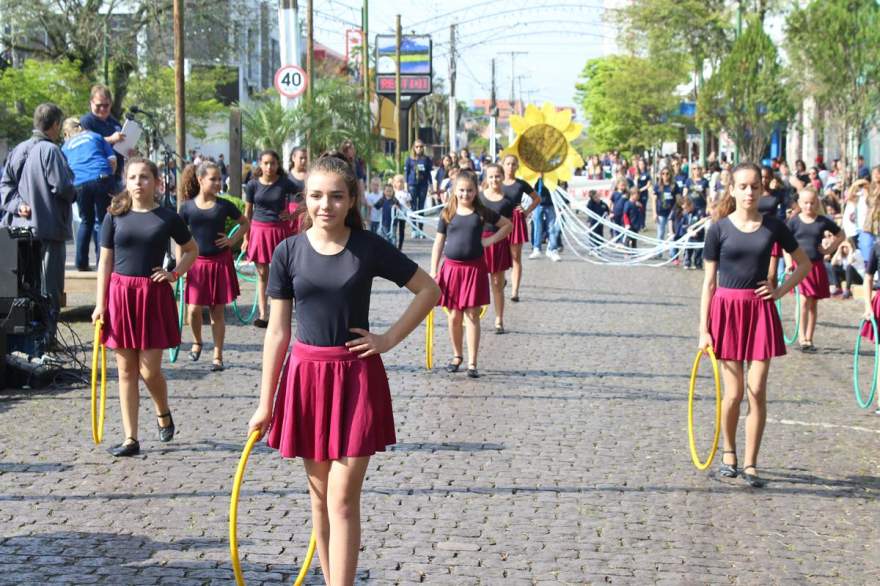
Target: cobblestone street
[[566, 463]]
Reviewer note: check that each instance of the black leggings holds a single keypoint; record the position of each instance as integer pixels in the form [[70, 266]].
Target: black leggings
[[401, 232]]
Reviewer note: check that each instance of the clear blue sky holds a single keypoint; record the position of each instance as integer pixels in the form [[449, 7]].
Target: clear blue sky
[[558, 36]]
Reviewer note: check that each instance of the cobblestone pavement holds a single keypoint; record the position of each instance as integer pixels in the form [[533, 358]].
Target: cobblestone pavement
[[567, 463]]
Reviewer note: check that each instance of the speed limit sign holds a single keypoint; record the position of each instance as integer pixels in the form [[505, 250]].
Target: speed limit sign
[[291, 81]]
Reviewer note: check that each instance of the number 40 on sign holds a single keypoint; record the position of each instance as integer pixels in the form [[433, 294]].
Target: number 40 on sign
[[291, 81]]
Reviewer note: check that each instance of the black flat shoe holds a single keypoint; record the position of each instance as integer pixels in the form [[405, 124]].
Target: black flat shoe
[[125, 450], [753, 480], [728, 470], [166, 433], [261, 323], [454, 364], [499, 329], [217, 365], [194, 355], [514, 298], [472, 371]]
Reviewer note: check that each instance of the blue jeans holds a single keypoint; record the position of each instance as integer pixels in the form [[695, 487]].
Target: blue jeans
[[92, 199], [662, 226], [544, 221], [866, 243], [419, 193]]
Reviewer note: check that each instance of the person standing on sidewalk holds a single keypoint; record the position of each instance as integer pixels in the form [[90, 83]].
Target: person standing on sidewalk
[[37, 192], [93, 162], [417, 170], [544, 223]]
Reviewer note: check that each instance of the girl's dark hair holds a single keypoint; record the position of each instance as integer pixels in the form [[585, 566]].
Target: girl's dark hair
[[190, 182], [258, 171], [333, 163], [121, 203], [293, 152], [452, 204], [727, 203]]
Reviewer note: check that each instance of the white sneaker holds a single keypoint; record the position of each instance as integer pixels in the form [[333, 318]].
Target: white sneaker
[[535, 254], [553, 255]]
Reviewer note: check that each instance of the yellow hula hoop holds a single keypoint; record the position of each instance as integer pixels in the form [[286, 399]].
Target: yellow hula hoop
[[429, 340], [98, 415], [691, 440], [233, 520], [483, 310]]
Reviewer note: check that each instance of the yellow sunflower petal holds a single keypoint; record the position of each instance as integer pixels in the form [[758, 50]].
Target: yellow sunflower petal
[[551, 180], [513, 149], [573, 159], [572, 131], [519, 124], [549, 112], [561, 120], [563, 173], [533, 115], [528, 175]]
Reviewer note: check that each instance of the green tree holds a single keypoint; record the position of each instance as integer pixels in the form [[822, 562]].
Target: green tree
[[336, 114], [628, 101], [747, 96], [154, 92], [23, 89], [834, 49]]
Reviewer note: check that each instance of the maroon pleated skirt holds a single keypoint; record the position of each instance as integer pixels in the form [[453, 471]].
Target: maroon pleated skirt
[[331, 404], [141, 314], [744, 326], [497, 256], [815, 284], [263, 238], [212, 280], [297, 213], [867, 330], [520, 233], [463, 283]]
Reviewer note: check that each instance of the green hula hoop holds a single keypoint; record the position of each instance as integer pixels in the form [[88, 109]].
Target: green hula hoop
[[248, 279], [797, 314], [864, 404], [178, 293]]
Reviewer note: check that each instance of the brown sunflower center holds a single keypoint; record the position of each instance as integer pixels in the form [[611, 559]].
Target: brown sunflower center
[[543, 148]]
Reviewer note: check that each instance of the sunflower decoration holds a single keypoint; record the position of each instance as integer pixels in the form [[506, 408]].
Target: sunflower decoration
[[543, 144]]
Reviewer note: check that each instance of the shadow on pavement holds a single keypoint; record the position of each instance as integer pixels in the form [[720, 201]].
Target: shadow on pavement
[[446, 446]]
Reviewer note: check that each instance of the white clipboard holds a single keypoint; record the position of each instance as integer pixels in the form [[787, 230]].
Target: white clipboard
[[132, 131]]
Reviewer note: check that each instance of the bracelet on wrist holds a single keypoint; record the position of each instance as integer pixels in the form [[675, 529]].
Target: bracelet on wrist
[[176, 275]]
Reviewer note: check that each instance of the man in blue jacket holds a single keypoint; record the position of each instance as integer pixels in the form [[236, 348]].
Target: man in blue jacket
[[37, 191]]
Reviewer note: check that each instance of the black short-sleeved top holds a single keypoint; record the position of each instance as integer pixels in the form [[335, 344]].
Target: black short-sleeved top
[[270, 200], [208, 225], [299, 188], [503, 207], [516, 190], [464, 235], [809, 236], [139, 239], [744, 257], [332, 292]]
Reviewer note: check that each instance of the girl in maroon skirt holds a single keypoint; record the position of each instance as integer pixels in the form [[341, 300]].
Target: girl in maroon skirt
[[298, 172], [333, 407], [463, 278], [872, 301], [737, 316], [134, 296], [497, 256], [266, 201], [513, 189], [809, 229], [211, 280]]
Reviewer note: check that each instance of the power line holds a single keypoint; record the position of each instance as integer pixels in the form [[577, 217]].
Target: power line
[[472, 7], [514, 11]]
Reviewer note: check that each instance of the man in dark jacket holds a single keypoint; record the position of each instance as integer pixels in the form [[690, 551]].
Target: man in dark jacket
[[37, 192]]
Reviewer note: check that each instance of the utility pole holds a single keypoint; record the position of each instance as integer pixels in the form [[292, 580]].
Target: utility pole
[[739, 32], [289, 45], [106, 53], [365, 35], [513, 109], [310, 53], [493, 114], [453, 147], [397, 119], [179, 98]]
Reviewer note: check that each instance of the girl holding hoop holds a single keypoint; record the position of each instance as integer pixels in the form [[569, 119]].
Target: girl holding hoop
[[463, 278], [496, 256], [737, 316], [211, 281], [334, 406], [513, 189], [134, 297], [872, 301], [266, 207], [809, 229]]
